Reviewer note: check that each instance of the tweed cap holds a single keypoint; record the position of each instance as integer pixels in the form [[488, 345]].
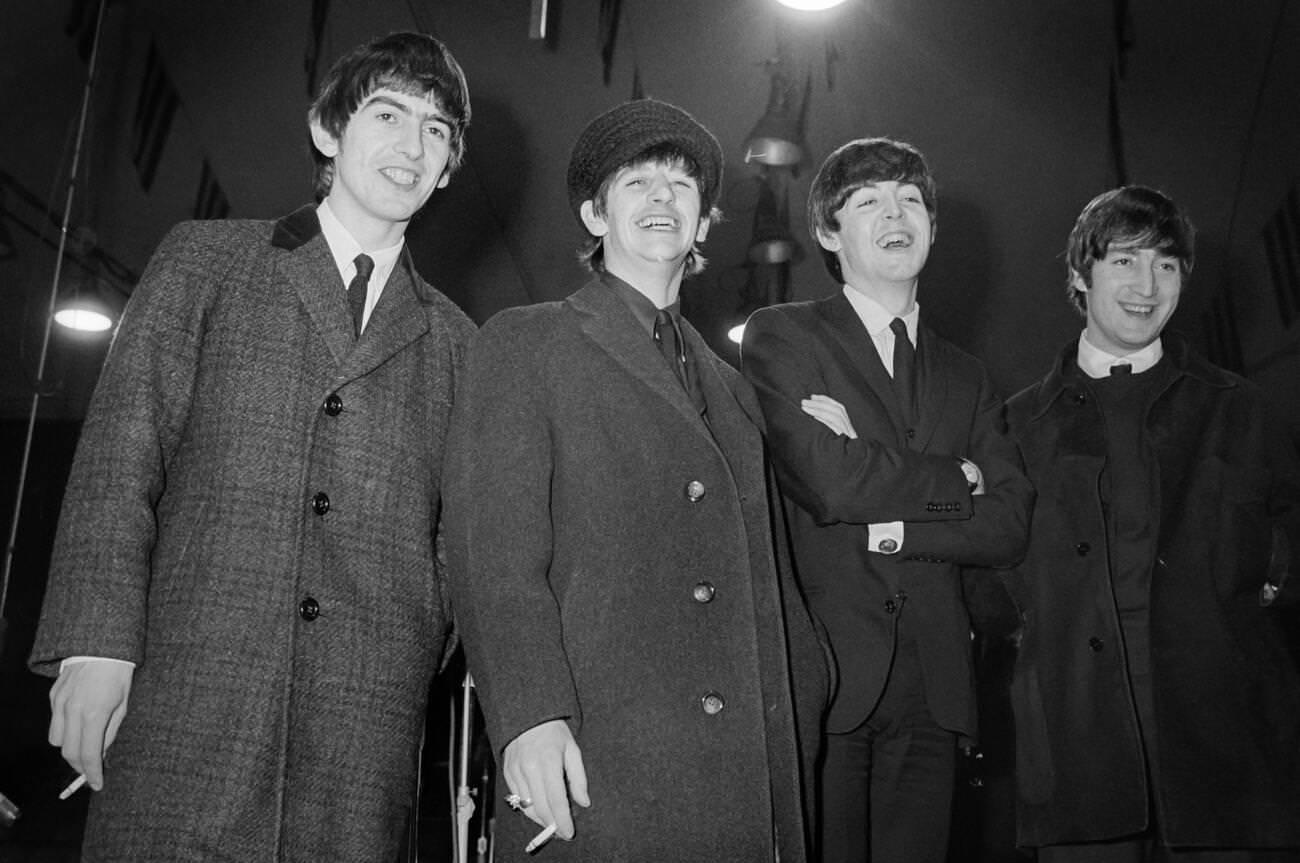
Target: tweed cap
[[617, 136]]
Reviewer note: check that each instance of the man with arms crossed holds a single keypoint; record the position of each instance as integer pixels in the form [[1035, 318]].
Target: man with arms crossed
[[891, 452]]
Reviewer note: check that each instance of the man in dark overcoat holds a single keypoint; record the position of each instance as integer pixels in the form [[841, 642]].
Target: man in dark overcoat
[[890, 448], [637, 650], [1157, 709], [247, 546]]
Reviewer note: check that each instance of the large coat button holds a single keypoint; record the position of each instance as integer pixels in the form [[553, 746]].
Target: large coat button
[[333, 405], [694, 490], [1082, 549], [309, 609], [1096, 644], [890, 606], [703, 592], [712, 703], [320, 503]]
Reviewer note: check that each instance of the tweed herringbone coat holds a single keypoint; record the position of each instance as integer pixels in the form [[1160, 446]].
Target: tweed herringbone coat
[[251, 520], [613, 564]]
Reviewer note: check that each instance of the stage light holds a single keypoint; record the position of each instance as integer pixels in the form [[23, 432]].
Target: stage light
[[810, 5]]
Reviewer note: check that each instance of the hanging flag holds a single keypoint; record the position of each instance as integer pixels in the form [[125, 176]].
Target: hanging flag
[[1118, 71], [210, 203], [311, 62], [154, 108], [609, 10], [1282, 248]]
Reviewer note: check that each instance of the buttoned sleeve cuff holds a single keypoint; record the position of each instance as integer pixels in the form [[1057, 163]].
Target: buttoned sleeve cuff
[[885, 538]]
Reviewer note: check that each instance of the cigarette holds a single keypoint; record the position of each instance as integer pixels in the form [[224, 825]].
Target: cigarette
[[72, 787], [540, 839]]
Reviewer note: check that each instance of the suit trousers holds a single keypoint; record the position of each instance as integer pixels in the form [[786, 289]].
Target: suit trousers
[[887, 786]]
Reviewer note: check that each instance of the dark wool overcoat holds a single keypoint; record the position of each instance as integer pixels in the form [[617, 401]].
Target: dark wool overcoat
[[612, 564], [250, 519], [1227, 698]]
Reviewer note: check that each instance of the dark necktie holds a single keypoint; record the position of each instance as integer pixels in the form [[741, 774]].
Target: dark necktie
[[357, 291], [904, 369], [668, 338]]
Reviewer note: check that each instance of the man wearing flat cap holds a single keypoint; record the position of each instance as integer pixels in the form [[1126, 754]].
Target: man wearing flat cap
[[646, 667]]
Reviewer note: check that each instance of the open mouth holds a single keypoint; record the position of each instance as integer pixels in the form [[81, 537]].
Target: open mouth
[[401, 176], [891, 242], [658, 223], [1140, 311]]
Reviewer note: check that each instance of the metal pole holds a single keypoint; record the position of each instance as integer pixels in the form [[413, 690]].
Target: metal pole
[[49, 319]]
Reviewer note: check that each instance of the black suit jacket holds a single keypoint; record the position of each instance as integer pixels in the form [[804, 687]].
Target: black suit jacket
[[835, 486]]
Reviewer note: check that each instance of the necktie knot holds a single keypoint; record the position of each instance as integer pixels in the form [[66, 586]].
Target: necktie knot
[[1121, 369], [357, 290]]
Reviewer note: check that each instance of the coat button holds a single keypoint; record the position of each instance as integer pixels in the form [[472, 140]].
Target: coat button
[[333, 405], [712, 703], [911, 433], [703, 592], [320, 503], [1096, 644], [309, 609], [890, 606], [1082, 548], [694, 490], [1080, 398]]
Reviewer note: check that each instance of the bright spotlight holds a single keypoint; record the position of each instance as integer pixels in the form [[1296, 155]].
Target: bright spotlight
[[810, 5], [85, 320]]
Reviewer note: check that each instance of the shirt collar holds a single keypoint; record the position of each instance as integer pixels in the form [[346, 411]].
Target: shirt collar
[[1096, 363], [876, 318], [345, 248], [641, 305]]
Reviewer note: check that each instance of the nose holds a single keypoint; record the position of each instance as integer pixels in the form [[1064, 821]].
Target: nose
[[1144, 281], [891, 208], [410, 141], [661, 189]]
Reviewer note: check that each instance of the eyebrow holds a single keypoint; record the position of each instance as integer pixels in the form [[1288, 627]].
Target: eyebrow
[[380, 98]]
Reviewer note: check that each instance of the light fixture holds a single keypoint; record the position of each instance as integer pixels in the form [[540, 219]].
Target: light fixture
[[810, 5], [736, 333], [84, 306], [777, 138], [772, 242]]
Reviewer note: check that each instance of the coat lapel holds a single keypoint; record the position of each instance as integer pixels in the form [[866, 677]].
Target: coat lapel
[[606, 320], [310, 270], [853, 343]]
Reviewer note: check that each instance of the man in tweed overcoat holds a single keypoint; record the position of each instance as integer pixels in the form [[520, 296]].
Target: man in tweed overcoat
[[247, 547], [636, 648]]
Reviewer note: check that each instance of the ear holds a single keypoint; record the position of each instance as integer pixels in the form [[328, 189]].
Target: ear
[[934, 229], [444, 179], [596, 226], [703, 230], [829, 241], [1078, 282], [324, 141]]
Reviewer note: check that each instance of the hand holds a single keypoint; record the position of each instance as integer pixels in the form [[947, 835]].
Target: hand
[[87, 706], [536, 765], [974, 476], [829, 413]]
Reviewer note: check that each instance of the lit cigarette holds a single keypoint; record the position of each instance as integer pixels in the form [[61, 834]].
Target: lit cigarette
[[72, 787], [540, 839]]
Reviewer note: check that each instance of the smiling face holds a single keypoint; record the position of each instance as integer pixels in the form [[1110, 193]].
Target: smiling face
[[650, 221], [392, 154], [1132, 294], [883, 238]]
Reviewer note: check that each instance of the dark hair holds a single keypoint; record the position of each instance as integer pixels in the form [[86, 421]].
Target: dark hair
[[1131, 217], [592, 251], [854, 165], [411, 63]]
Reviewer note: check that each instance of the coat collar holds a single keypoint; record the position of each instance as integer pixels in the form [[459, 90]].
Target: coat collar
[[1064, 374], [397, 320]]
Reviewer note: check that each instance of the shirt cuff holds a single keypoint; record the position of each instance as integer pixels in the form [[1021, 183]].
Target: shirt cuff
[[885, 538], [77, 660]]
